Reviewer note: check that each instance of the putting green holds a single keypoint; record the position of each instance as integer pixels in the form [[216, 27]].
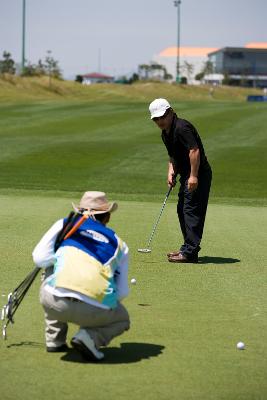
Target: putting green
[[186, 319]]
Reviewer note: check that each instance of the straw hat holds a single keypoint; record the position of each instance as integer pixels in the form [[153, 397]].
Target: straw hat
[[95, 203]]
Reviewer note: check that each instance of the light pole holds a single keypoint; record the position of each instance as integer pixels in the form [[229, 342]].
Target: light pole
[[177, 4], [23, 34]]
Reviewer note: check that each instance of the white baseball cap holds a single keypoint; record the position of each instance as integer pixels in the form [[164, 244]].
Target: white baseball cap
[[158, 107]]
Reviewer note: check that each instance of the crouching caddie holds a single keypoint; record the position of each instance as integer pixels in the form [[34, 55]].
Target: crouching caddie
[[87, 281]]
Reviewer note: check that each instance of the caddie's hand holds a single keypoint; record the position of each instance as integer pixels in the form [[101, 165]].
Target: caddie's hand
[[192, 183]]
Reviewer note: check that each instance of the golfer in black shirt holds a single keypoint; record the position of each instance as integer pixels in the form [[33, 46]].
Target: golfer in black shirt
[[188, 160]]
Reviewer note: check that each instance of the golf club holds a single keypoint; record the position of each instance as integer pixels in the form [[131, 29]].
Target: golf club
[[15, 298], [147, 249]]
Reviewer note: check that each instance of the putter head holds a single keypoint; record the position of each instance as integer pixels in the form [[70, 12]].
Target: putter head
[[144, 250]]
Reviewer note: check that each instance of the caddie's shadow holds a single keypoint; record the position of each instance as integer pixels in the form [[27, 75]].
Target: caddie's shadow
[[125, 354], [217, 260]]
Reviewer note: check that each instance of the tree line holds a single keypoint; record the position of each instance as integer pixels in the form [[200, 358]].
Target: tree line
[[49, 66], [153, 71]]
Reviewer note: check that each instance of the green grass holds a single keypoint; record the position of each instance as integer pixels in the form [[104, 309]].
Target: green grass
[[72, 146], [186, 319]]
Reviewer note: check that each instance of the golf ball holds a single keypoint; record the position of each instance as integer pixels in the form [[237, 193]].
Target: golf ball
[[240, 346], [133, 281]]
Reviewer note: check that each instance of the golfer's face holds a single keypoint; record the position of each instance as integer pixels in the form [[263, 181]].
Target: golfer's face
[[164, 121]]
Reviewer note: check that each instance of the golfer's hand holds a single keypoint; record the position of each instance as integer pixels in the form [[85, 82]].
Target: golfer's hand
[[171, 180], [192, 183]]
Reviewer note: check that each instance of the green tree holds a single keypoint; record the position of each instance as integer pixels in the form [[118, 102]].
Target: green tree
[[79, 78], [199, 76], [33, 69], [29, 69], [134, 77], [150, 71], [207, 68], [143, 71], [51, 66], [7, 65], [188, 69]]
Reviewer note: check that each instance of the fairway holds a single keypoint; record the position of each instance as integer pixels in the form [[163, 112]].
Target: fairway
[[185, 319], [72, 146]]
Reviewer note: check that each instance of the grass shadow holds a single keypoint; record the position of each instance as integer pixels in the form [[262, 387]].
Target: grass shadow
[[29, 343], [217, 260], [125, 354]]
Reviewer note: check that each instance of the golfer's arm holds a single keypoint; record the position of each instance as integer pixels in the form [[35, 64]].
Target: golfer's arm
[[194, 157], [171, 167]]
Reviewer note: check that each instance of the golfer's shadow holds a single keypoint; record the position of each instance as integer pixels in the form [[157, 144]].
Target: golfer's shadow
[[125, 354], [28, 343], [217, 260]]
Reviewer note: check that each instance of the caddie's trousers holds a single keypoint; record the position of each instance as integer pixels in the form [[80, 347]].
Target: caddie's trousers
[[191, 210], [101, 324]]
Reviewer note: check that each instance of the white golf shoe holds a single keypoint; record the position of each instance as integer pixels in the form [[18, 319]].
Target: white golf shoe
[[83, 342]]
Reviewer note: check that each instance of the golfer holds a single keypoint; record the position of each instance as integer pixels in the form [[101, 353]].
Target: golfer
[[188, 160], [89, 278]]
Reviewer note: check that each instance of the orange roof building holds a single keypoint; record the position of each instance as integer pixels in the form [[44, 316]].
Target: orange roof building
[[196, 56], [256, 45], [187, 51]]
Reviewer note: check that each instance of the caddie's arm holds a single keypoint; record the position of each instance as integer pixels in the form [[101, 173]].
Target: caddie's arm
[[121, 275], [44, 253], [194, 157]]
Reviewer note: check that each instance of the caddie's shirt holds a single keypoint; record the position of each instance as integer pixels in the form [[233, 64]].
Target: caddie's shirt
[[181, 138], [91, 265]]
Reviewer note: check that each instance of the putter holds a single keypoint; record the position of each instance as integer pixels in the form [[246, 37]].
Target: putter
[[15, 298], [147, 249]]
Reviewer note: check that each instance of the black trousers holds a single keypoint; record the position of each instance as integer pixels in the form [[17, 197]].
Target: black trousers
[[191, 210]]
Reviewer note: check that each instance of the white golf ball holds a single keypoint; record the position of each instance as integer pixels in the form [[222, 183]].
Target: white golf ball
[[133, 281], [240, 346]]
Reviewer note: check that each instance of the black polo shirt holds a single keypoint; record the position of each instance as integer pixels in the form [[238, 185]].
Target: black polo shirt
[[183, 137]]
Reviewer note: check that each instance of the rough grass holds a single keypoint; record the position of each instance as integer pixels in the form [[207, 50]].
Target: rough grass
[[14, 88]]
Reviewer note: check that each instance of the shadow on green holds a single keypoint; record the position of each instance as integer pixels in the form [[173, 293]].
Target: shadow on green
[[127, 353]]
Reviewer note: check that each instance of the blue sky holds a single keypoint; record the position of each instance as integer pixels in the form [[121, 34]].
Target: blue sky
[[116, 36]]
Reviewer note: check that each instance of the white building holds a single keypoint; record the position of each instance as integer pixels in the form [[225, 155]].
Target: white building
[[96, 77], [195, 56]]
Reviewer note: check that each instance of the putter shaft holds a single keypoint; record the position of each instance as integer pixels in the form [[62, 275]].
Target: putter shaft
[[156, 224]]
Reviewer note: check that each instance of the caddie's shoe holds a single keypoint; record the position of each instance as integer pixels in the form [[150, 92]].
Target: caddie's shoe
[[58, 349], [182, 258], [173, 253], [83, 342]]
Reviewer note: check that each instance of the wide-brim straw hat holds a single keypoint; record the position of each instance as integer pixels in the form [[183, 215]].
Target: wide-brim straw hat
[[95, 203]]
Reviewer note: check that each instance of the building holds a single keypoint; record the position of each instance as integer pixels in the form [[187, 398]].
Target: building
[[240, 66], [96, 77], [191, 59], [235, 65]]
